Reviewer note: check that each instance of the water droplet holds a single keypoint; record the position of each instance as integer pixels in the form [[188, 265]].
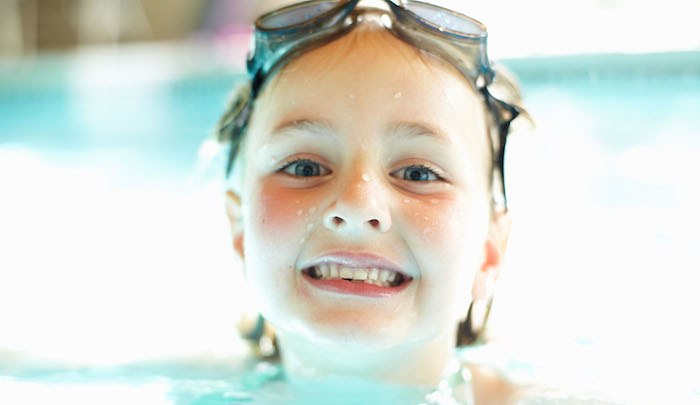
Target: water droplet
[[312, 210], [299, 213], [434, 201], [406, 201], [309, 227], [366, 177], [425, 218], [351, 96], [297, 201], [398, 95]]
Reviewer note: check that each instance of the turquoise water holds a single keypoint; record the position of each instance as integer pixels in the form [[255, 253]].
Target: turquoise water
[[45, 109], [229, 381], [98, 204]]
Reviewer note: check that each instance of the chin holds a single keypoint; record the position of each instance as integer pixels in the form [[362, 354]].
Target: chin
[[356, 333]]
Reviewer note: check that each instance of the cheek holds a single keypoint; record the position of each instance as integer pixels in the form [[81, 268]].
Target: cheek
[[274, 211], [437, 222], [282, 214], [450, 232], [448, 243]]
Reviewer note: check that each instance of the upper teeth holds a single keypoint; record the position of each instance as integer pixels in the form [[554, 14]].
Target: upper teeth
[[381, 277]]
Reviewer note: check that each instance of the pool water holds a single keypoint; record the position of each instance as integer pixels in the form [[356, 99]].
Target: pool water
[[115, 252], [219, 382]]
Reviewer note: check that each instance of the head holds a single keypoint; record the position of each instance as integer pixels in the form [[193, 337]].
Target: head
[[372, 155]]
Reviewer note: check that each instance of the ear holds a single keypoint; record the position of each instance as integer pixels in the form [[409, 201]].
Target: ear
[[494, 251], [235, 218]]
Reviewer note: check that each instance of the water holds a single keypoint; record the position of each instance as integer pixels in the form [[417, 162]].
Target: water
[[191, 383], [115, 244]]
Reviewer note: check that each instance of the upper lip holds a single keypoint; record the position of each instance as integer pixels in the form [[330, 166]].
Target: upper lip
[[355, 260]]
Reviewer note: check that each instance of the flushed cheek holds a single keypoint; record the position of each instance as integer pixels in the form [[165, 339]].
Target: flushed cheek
[[282, 213], [435, 221], [447, 237], [276, 219]]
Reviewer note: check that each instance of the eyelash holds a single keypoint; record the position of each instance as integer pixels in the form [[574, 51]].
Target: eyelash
[[432, 171], [292, 162]]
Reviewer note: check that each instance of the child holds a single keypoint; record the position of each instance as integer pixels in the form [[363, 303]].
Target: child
[[367, 200]]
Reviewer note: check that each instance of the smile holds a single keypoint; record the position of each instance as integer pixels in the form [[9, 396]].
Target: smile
[[379, 277], [356, 273]]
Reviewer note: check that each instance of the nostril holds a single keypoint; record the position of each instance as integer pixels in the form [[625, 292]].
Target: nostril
[[338, 222]]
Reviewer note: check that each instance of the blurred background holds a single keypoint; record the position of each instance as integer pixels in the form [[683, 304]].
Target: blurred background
[[114, 248]]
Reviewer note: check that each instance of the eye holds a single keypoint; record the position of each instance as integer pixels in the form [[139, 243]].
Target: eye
[[417, 173], [304, 168]]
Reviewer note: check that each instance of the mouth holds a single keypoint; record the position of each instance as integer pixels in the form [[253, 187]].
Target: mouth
[[382, 278], [356, 273]]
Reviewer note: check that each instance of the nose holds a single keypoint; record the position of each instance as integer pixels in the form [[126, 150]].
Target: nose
[[361, 205]]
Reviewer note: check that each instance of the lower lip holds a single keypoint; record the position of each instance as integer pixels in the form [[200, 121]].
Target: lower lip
[[354, 288]]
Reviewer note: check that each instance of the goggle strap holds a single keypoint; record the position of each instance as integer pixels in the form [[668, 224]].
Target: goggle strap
[[504, 115]]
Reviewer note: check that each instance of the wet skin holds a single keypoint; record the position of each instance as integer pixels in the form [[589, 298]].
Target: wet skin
[[364, 150]]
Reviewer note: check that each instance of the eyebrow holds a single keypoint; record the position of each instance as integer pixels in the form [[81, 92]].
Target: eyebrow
[[307, 126], [405, 129], [402, 129]]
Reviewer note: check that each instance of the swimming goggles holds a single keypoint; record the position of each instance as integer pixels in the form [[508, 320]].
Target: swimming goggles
[[282, 35]]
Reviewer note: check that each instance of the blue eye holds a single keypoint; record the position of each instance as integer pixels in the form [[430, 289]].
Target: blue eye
[[304, 168], [419, 173]]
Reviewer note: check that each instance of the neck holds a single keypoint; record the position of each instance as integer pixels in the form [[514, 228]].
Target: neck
[[416, 365]]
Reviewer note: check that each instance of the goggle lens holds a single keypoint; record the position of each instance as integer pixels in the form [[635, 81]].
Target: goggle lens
[[445, 20], [296, 15]]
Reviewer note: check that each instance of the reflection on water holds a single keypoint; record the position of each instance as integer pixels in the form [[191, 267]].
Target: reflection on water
[[145, 383], [228, 381], [193, 383], [115, 247]]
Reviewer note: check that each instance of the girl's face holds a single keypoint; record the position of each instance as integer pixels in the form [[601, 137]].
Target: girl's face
[[365, 160]]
